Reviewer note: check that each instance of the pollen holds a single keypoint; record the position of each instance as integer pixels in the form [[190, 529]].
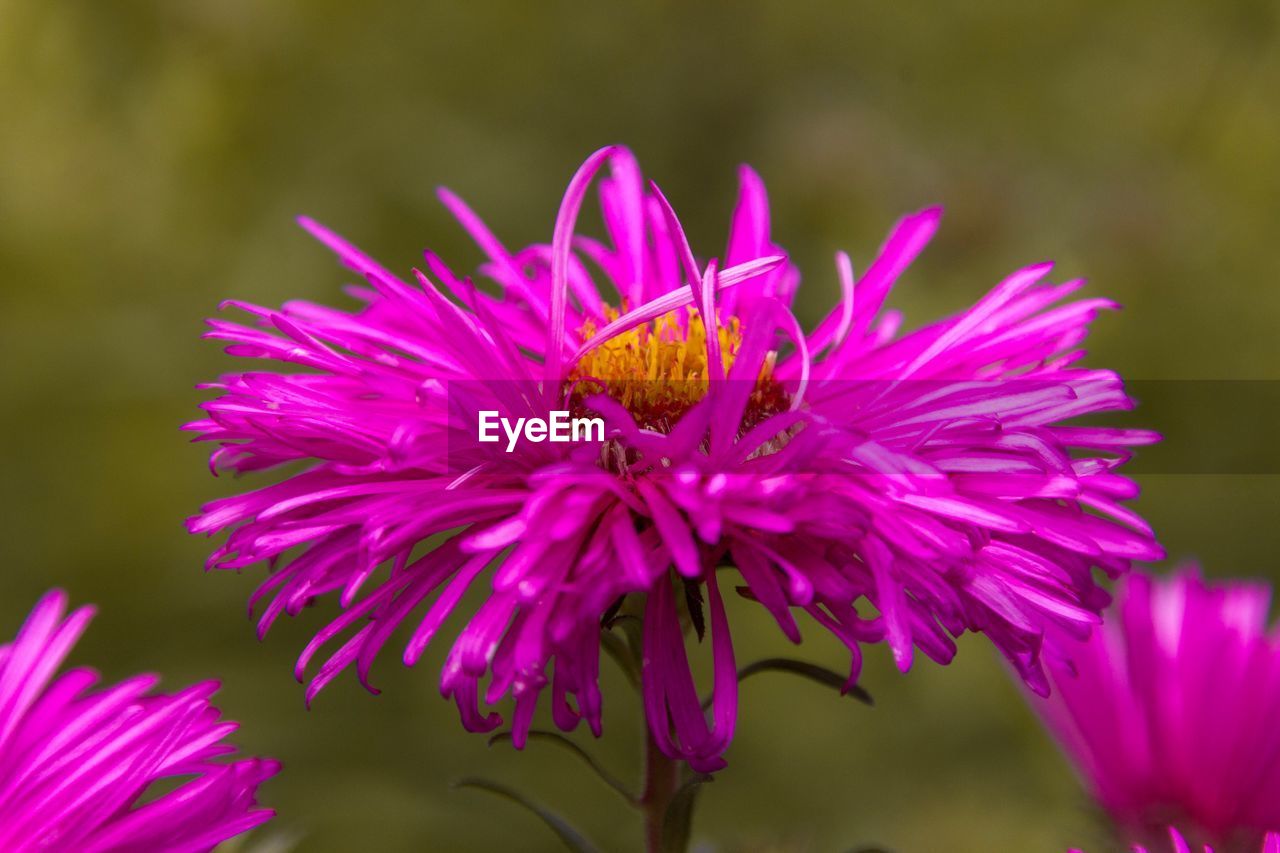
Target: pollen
[[658, 370]]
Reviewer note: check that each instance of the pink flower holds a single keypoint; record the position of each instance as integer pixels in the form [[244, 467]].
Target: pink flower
[[77, 763], [927, 473], [1169, 711], [1178, 844]]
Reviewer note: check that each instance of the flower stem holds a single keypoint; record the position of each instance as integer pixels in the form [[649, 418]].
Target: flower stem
[[661, 781]]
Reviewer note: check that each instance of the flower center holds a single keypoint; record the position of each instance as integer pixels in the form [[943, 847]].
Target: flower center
[[659, 371]]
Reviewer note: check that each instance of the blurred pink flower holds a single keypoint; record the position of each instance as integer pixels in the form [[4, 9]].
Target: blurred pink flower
[[1178, 844], [77, 764], [1169, 711], [1271, 844], [927, 473]]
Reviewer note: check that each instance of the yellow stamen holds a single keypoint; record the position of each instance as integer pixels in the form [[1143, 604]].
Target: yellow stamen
[[658, 370]]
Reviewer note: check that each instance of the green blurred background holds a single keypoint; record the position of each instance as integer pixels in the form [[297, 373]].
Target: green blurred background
[[153, 156]]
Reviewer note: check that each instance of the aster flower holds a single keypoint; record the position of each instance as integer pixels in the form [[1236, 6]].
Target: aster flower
[[1168, 711], [78, 762], [928, 473]]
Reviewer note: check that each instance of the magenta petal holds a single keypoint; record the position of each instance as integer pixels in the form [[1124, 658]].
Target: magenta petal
[[1167, 709], [78, 762]]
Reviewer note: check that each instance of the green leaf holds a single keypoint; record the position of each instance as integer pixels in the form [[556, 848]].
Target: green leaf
[[572, 839], [811, 671], [677, 823], [693, 603], [629, 622], [618, 649], [585, 757]]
